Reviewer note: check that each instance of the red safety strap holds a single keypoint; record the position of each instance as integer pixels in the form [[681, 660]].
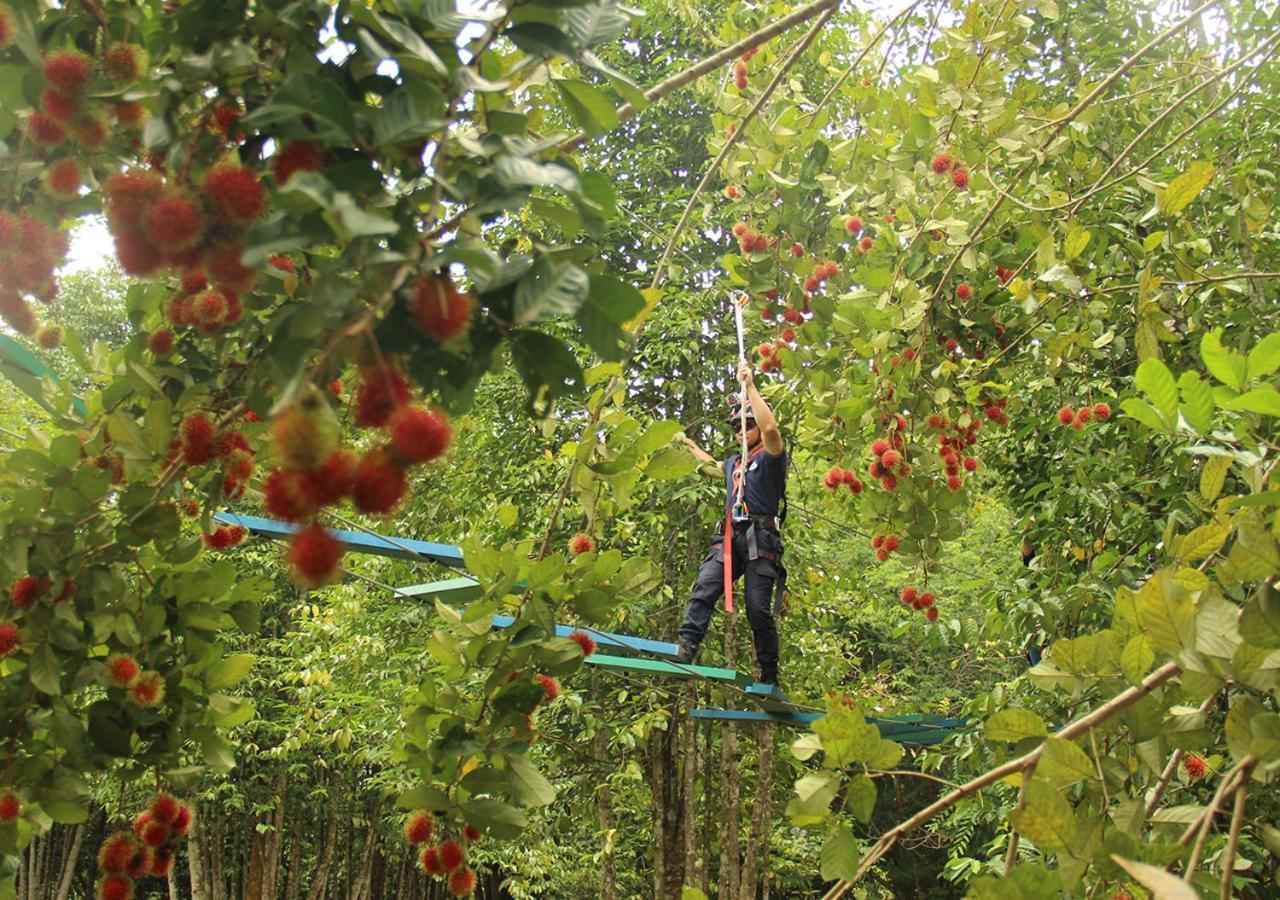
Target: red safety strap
[[728, 529]]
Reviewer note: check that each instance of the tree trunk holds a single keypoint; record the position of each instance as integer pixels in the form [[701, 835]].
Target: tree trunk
[[761, 813], [254, 871], [658, 790], [688, 812], [604, 803], [293, 882], [730, 756], [216, 847], [196, 856], [69, 864], [275, 846], [360, 889], [329, 843]]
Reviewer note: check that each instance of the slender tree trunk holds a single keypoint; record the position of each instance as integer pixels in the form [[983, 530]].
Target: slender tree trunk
[[328, 843], [255, 870], [658, 789], [731, 755], [275, 846], [69, 864], [293, 883], [360, 889], [688, 789], [196, 856], [604, 805], [761, 813], [216, 848], [706, 808]]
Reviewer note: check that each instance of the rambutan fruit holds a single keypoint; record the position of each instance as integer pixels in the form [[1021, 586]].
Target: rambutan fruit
[[926, 599], [1084, 415], [1194, 766], [305, 433], [865, 244], [131, 115], [941, 163], [952, 345], [295, 156], [462, 883], [160, 342], [140, 862], [379, 484], [147, 690], [136, 254], [891, 543], [8, 27], [335, 477], [909, 595], [418, 828], [172, 222], [24, 591], [971, 464], [960, 177], [209, 310], [218, 539], [419, 435], [954, 482], [62, 178], [878, 447], [114, 854], [315, 556], [890, 458], [140, 822], [964, 291], [58, 106], [90, 131], [155, 833], [811, 284], [788, 335], [739, 229], [833, 479], [853, 224], [128, 195], [223, 117], [889, 481], [585, 641], [67, 71], [1066, 414], [115, 887], [439, 309], [451, 855], [223, 265], [882, 554], [194, 281], [381, 392], [239, 465], [287, 494], [9, 639], [123, 63], [878, 541], [471, 833], [181, 823], [797, 250], [430, 861], [1102, 410], [550, 686], [161, 862], [10, 806], [122, 669], [581, 543], [855, 485], [164, 808], [45, 130], [235, 193], [197, 439], [931, 614]]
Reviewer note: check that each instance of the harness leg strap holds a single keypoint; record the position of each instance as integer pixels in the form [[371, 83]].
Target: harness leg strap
[[753, 548], [779, 589]]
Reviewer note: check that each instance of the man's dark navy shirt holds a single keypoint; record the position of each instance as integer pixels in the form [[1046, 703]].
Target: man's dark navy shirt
[[766, 479]]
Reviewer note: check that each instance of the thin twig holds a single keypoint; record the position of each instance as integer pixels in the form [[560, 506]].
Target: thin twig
[[1233, 842]]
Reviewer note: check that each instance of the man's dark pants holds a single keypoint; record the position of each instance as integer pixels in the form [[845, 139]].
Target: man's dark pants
[[758, 595]]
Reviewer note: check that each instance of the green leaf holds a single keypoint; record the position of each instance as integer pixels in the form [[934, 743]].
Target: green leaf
[[517, 171], [548, 368], [45, 671], [502, 820], [1077, 240], [1202, 542], [423, 797], [1063, 763], [1063, 278], [805, 746], [1266, 738], [1136, 658], [1013, 725], [590, 107], [839, 857], [1264, 358], [228, 671], [529, 787], [550, 289], [65, 810], [608, 306], [1224, 364], [1185, 188], [1260, 618], [1213, 475], [1046, 818], [1143, 411], [1154, 379], [1264, 401], [596, 23], [1166, 614], [541, 39], [862, 797], [306, 106], [1162, 884], [1027, 881]]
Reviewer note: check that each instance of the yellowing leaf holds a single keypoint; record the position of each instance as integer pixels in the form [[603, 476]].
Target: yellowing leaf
[[1213, 475], [1202, 542], [1185, 188], [1077, 240]]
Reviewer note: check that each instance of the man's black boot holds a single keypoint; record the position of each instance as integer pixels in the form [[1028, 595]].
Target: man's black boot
[[687, 652]]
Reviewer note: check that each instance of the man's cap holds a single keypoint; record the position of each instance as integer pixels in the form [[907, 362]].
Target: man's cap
[[735, 413]]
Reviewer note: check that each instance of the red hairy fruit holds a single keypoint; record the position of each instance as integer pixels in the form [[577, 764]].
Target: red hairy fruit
[[855, 485], [123, 63], [926, 599], [197, 439], [853, 224], [140, 862], [882, 554], [9, 639], [315, 556], [235, 193], [62, 178], [471, 833], [58, 106], [115, 852], [788, 336], [181, 821], [878, 447], [1066, 414], [289, 495], [224, 117], [25, 590], [909, 595], [45, 130], [586, 642], [797, 250], [10, 806], [68, 71], [462, 883], [91, 131], [550, 686], [834, 479], [891, 543], [379, 484], [952, 345], [878, 541], [155, 833], [960, 177], [1102, 410], [418, 828], [581, 543], [128, 196], [172, 222], [164, 808], [739, 230], [161, 862], [765, 350], [865, 244], [115, 887], [451, 855], [129, 114], [439, 308], [430, 861], [932, 614], [335, 477], [419, 435], [1194, 766], [941, 163], [1084, 415], [122, 669], [970, 464], [731, 192], [305, 433], [382, 390], [295, 156], [890, 458], [954, 482], [224, 267], [147, 690], [964, 291], [160, 342]]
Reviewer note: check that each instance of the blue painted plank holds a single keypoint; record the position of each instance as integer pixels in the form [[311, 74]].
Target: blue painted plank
[[462, 589], [770, 698], [27, 372], [755, 715], [643, 666], [903, 734], [624, 643], [355, 541]]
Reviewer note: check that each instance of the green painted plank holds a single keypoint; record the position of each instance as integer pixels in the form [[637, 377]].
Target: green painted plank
[[452, 590], [663, 667]]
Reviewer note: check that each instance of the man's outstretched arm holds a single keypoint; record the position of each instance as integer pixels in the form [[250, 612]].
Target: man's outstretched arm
[[770, 434], [710, 465]]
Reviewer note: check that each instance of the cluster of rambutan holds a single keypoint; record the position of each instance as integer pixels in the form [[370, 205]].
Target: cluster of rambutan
[[921, 602], [448, 858], [821, 272], [196, 230], [943, 163], [224, 537], [837, 476], [732, 192], [853, 225], [865, 245], [950, 448], [10, 804], [749, 241], [994, 410], [740, 69], [889, 464], [196, 305], [198, 443], [66, 111], [149, 850], [1078, 418], [769, 361], [906, 355], [1003, 274], [440, 308], [585, 641], [145, 687], [884, 544], [25, 591], [30, 252], [10, 638], [581, 543]]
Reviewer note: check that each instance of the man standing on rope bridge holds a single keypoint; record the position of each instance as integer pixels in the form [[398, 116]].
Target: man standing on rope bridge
[[753, 516]]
